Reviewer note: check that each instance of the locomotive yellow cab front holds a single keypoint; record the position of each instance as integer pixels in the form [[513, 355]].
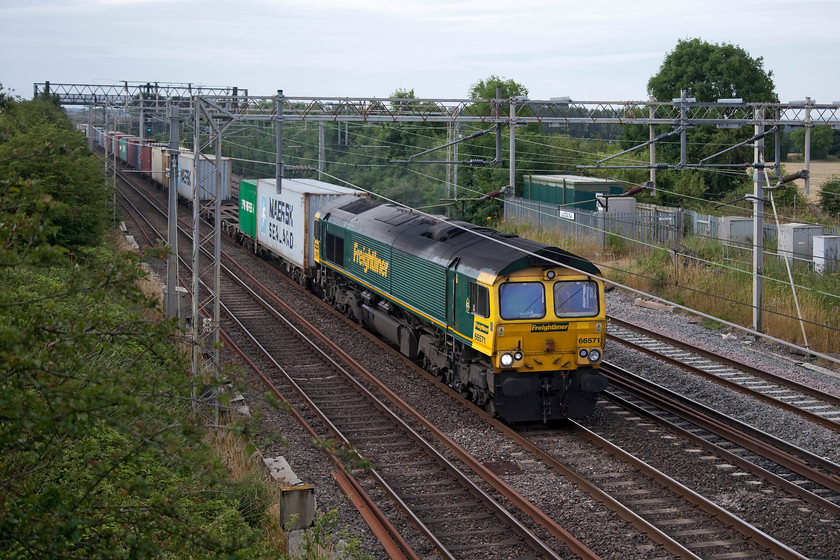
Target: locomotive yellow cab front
[[548, 321], [548, 340], [514, 325]]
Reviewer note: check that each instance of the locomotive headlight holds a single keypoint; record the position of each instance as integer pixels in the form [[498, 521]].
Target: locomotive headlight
[[517, 356], [594, 355], [583, 352], [506, 360]]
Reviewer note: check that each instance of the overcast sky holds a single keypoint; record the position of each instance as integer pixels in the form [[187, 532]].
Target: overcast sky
[[590, 50]]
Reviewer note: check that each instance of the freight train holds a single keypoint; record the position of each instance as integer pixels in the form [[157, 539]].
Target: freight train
[[516, 326]]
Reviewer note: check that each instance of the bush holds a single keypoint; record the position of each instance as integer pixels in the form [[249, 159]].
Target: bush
[[830, 196]]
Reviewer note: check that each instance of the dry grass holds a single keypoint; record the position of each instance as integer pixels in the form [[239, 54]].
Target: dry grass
[[727, 295], [150, 285], [247, 469], [821, 171]]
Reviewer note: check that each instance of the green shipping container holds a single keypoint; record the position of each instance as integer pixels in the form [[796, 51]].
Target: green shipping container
[[248, 207], [569, 191], [123, 149]]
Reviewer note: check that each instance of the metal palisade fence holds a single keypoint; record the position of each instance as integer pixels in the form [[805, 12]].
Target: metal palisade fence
[[651, 226], [648, 225]]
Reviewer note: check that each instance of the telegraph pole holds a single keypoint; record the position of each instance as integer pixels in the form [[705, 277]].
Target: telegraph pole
[[808, 126], [321, 153], [652, 114], [758, 222], [172, 259], [278, 144], [512, 164]]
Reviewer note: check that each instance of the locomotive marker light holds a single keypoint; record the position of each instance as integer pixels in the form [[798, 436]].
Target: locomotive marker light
[[506, 360], [594, 355]]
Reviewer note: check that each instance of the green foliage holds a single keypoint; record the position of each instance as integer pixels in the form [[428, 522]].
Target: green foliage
[[830, 196], [692, 187], [100, 456], [706, 72], [709, 72], [617, 243], [326, 540], [41, 155], [486, 89], [822, 141]]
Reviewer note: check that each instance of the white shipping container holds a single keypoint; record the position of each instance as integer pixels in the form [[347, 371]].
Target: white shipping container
[[206, 174], [160, 165], [285, 220]]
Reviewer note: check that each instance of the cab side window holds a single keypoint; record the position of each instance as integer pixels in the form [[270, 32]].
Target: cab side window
[[334, 250], [479, 300]]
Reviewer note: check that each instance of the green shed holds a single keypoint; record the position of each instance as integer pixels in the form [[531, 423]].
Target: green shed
[[571, 191]]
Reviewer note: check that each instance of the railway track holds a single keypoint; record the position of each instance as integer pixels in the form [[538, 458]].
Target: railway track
[[450, 510], [734, 443], [814, 405]]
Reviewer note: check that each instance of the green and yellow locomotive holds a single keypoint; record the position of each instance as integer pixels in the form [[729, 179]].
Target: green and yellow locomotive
[[516, 326]]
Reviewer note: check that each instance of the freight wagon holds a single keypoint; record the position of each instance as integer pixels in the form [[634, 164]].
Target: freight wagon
[[281, 223], [204, 175], [152, 159]]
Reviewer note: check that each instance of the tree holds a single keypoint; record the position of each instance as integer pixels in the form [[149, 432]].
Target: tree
[[99, 456], [38, 143], [486, 89], [822, 138], [707, 72], [830, 196]]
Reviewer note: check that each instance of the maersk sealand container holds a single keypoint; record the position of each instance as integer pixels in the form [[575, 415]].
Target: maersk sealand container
[[283, 222], [206, 176]]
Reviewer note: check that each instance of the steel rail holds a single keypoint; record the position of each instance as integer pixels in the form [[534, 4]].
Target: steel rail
[[657, 396], [810, 391], [751, 532], [392, 541], [727, 361], [487, 475], [471, 462]]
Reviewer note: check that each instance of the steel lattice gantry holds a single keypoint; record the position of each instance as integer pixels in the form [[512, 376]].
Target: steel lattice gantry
[[521, 111], [128, 94], [216, 109]]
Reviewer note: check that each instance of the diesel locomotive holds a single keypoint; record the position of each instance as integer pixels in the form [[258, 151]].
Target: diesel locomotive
[[516, 326]]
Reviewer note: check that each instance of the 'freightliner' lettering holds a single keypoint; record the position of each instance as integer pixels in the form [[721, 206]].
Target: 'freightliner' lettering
[[369, 261], [550, 327]]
